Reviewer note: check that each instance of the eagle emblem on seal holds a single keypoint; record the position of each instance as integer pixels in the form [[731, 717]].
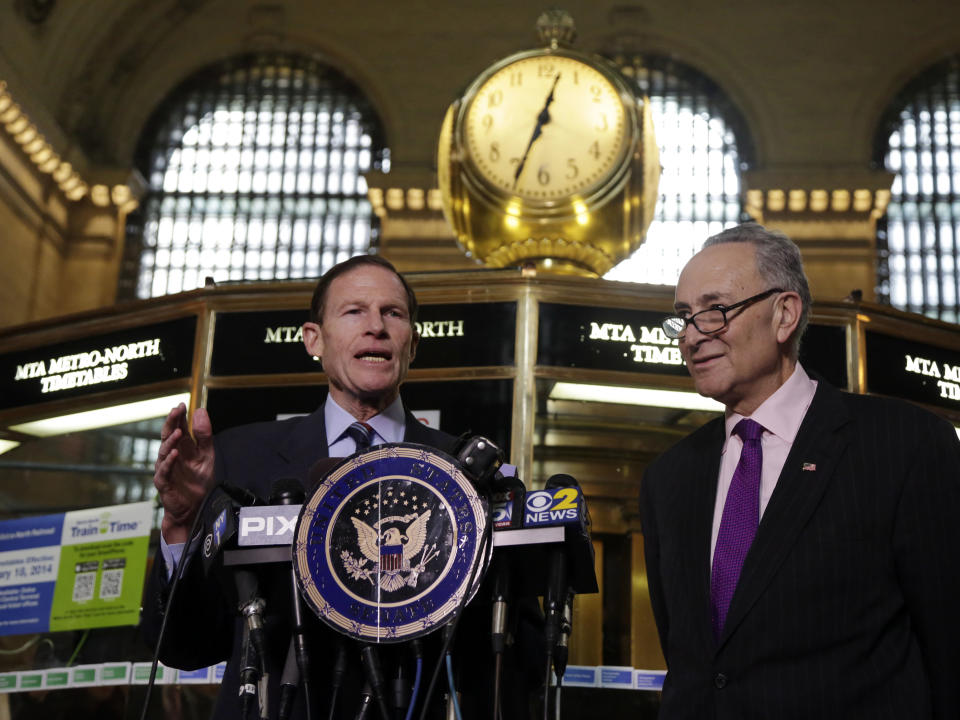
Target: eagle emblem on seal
[[393, 545]]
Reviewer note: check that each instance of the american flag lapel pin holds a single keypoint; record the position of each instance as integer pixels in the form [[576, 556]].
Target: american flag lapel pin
[[809, 466]]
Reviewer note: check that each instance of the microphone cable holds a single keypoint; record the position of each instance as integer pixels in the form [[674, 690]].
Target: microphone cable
[[453, 689], [556, 705], [546, 685], [339, 670], [249, 674], [556, 661], [562, 648], [486, 548], [497, 671], [546, 689], [417, 647]]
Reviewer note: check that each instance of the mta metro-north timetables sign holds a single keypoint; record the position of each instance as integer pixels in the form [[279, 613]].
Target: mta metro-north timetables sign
[[75, 570]]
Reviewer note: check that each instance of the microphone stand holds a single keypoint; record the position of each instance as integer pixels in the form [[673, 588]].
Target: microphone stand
[[249, 675]]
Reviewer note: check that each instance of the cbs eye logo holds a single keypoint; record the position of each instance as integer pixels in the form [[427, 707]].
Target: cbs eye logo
[[559, 499]]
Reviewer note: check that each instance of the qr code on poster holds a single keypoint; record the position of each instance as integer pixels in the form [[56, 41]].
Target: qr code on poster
[[111, 582], [84, 581]]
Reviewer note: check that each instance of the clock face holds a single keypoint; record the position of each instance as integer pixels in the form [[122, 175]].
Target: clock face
[[546, 128]]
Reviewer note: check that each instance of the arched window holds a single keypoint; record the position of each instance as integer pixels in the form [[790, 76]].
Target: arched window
[[918, 241], [703, 149], [254, 171]]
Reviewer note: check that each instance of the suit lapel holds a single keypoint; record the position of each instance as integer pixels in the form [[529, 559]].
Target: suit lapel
[[415, 431], [306, 442], [699, 497], [820, 443]]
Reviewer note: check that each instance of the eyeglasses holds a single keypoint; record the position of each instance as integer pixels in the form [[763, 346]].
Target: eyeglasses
[[712, 320]]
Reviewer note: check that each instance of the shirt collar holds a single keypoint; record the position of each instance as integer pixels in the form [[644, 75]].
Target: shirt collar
[[781, 413], [389, 425]]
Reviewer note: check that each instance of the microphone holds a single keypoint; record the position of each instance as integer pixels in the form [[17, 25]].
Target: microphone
[[481, 459], [561, 654], [249, 676], [319, 471], [240, 495], [336, 677], [366, 701], [220, 522], [289, 680], [375, 679], [501, 599], [251, 607], [399, 692], [502, 588], [289, 491], [555, 600], [507, 498]]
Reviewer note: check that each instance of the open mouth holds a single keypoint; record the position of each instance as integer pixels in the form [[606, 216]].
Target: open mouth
[[373, 356]]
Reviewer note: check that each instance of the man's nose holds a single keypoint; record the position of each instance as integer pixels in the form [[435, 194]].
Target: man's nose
[[376, 324], [692, 336]]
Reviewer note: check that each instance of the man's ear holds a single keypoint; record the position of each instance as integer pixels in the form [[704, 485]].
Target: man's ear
[[414, 341], [787, 316], [313, 339]]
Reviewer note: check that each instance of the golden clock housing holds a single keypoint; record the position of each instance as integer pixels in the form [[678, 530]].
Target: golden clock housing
[[549, 159]]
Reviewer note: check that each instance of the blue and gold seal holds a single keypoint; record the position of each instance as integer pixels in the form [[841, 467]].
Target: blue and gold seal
[[385, 546]]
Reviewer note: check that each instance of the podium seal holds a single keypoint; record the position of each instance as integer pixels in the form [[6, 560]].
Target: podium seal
[[384, 547]]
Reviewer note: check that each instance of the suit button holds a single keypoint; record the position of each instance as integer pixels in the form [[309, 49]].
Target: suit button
[[720, 681]]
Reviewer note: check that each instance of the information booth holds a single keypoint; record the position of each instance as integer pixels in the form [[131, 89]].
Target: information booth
[[569, 375]]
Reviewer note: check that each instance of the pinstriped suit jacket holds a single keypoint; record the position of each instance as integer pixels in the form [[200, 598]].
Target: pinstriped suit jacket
[[848, 604]]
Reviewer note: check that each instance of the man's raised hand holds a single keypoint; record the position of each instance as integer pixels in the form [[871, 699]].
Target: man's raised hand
[[183, 473]]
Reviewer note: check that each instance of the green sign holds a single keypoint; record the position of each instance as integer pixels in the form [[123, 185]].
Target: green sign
[[78, 570]]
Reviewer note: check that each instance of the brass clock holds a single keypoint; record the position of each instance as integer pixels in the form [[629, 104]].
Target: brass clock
[[549, 159], [547, 127]]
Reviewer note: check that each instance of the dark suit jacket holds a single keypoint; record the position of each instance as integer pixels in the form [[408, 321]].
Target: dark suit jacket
[[848, 604], [204, 628]]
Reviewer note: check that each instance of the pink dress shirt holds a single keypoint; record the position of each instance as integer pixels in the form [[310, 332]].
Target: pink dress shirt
[[781, 415]]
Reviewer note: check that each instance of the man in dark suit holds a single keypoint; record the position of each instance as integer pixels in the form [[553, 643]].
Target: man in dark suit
[[803, 551], [362, 327]]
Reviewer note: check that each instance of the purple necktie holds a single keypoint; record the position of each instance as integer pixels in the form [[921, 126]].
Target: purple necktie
[[738, 526]]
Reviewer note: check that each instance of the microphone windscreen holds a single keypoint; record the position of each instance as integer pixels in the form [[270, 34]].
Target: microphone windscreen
[[318, 473], [286, 491], [562, 480], [240, 495]]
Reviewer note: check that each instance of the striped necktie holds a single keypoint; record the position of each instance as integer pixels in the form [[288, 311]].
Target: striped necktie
[[738, 524], [362, 434]]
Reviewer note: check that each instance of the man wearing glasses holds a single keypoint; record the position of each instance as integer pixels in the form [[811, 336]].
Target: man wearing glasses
[[803, 551]]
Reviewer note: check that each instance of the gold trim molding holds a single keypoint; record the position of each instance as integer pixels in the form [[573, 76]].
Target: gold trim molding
[[394, 200], [17, 124], [819, 203]]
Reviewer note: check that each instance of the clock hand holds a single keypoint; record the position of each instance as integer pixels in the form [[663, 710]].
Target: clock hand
[[542, 119]]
